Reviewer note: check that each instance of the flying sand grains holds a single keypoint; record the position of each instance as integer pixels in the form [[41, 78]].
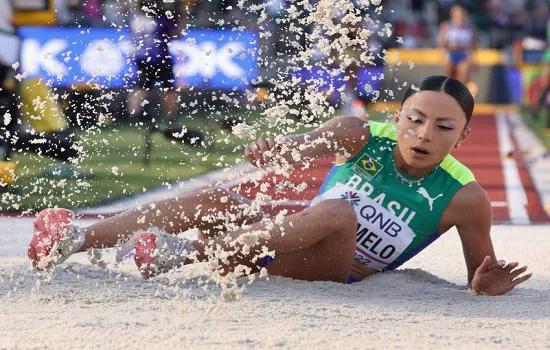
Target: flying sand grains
[[244, 131], [7, 118], [286, 110]]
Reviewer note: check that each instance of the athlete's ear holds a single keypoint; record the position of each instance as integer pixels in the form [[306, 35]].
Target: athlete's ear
[[463, 136], [396, 116]]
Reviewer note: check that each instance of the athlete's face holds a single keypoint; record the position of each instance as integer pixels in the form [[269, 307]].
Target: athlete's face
[[430, 124], [458, 16]]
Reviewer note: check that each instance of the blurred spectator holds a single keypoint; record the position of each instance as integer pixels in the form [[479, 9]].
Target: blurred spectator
[[74, 13], [152, 27], [458, 39], [542, 97], [93, 12], [114, 12], [63, 15], [538, 19], [6, 16], [69, 13], [507, 20], [443, 9], [7, 84]]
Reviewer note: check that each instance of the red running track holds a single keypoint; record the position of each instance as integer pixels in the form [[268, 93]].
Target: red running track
[[481, 153], [514, 198]]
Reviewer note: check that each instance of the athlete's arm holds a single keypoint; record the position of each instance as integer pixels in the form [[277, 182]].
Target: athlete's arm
[[474, 215], [345, 136], [474, 44], [442, 38]]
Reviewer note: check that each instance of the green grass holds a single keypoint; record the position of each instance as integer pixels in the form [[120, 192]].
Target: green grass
[[538, 122], [114, 156]]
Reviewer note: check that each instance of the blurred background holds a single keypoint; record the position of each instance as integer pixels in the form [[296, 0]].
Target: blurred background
[[102, 99]]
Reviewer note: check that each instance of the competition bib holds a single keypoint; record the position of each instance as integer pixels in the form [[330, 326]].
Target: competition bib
[[381, 235]]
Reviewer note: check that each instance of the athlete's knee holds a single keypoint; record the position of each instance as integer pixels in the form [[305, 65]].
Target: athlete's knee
[[340, 213]]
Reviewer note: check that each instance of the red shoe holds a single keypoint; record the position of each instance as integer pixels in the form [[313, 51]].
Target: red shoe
[[158, 253], [55, 238]]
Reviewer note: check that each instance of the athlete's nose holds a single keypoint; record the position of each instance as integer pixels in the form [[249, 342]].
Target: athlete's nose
[[425, 132]]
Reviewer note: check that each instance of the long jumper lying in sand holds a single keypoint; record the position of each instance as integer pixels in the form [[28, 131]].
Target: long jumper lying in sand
[[394, 190]]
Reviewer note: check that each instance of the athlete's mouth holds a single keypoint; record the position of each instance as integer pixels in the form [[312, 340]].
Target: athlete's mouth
[[420, 149]]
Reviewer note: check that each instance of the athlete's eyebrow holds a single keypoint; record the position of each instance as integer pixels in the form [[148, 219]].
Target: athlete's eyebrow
[[446, 119], [422, 114], [439, 119]]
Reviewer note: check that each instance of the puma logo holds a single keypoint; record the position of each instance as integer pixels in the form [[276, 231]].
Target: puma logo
[[426, 195]]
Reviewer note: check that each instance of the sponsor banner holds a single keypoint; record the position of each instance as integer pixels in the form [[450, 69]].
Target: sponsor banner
[[216, 59]]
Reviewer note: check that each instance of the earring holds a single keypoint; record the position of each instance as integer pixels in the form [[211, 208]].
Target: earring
[[458, 143]]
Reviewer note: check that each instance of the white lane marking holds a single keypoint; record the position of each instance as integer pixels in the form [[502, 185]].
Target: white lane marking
[[535, 154], [515, 193]]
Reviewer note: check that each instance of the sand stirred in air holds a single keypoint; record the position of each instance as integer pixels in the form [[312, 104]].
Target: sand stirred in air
[[425, 304]]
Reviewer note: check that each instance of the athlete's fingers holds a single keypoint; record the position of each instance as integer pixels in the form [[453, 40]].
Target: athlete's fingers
[[249, 155], [253, 154], [521, 279], [485, 265], [280, 144], [511, 266], [262, 145], [252, 158], [255, 151], [499, 264], [271, 143], [518, 272]]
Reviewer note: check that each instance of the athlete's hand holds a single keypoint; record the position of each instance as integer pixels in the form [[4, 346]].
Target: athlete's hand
[[496, 279], [261, 152]]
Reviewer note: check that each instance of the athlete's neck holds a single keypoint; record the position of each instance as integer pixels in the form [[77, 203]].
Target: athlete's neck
[[407, 169]]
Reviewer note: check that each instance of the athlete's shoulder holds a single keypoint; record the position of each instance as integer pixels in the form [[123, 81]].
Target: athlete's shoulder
[[383, 130], [471, 205], [470, 202], [457, 170]]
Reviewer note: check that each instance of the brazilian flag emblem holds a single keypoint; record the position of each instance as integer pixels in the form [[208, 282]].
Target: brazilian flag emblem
[[367, 166]]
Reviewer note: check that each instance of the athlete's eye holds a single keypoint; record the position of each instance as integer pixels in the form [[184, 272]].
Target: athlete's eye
[[414, 119], [445, 127]]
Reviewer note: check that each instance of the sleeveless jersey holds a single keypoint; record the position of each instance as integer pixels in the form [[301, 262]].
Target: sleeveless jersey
[[460, 36], [396, 219]]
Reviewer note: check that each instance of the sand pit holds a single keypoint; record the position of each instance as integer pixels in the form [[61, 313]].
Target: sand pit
[[425, 304]]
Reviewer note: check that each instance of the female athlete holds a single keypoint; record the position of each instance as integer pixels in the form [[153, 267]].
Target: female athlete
[[458, 37], [394, 190]]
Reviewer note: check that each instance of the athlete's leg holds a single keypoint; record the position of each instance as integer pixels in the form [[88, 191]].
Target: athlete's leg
[[448, 66], [208, 210], [135, 99], [315, 244], [144, 82], [329, 260], [169, 103], [167, 83], [463, 71]]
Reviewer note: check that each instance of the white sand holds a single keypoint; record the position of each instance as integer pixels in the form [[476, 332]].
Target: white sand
[[425, 305]]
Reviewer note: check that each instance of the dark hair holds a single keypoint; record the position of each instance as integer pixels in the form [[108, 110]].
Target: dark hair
[[462, 6], [448, 85]]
